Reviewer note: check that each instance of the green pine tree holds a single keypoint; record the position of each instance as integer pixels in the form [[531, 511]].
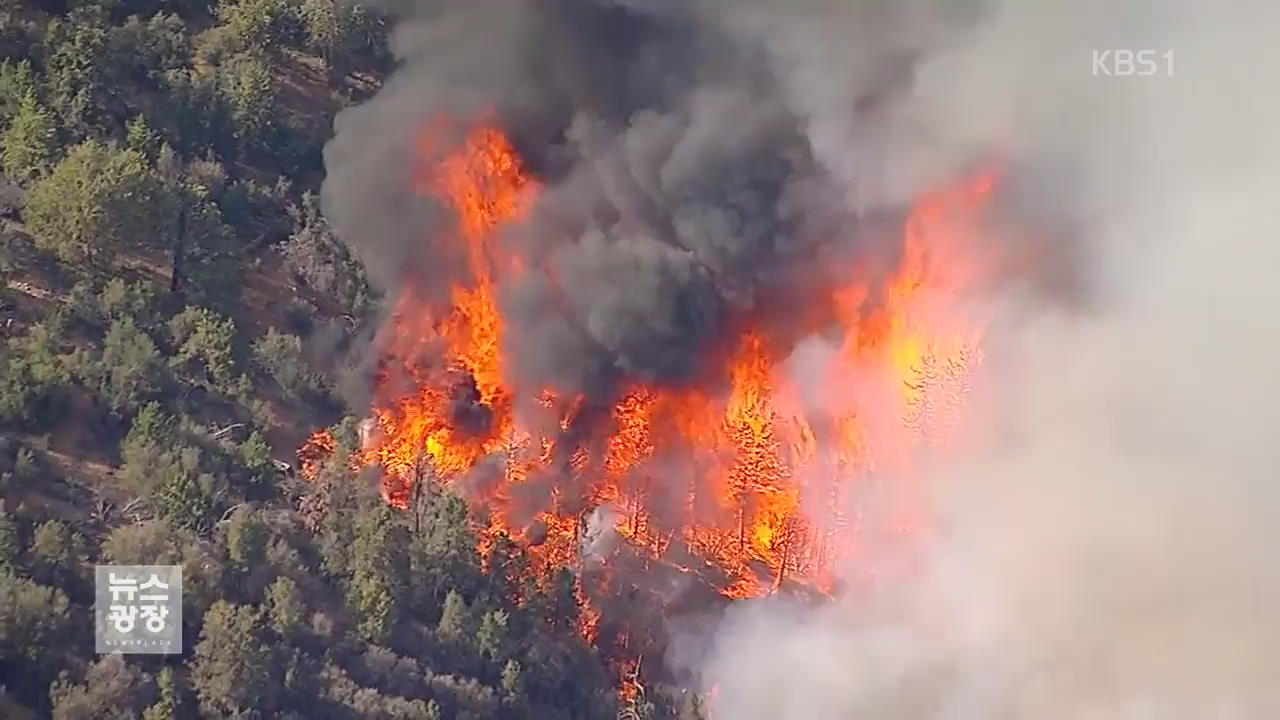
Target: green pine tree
[[29, 147], [167, 705], [140, 137]]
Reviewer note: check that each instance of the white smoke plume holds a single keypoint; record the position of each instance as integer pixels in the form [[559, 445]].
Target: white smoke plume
[[1108, 544]]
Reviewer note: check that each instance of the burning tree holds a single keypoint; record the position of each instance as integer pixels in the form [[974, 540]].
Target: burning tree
[[739, 477]]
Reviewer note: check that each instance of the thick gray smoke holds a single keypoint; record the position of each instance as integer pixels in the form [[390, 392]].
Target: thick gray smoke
[[701, 162], [1108, 545]]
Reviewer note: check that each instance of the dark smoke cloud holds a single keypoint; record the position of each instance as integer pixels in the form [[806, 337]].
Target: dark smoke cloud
[[467, 410], [677, 224], [689, 155], [703, 164], [1109, 548]]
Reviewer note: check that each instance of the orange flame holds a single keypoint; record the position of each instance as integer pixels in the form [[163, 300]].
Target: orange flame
[[314, 452], [766, 480]]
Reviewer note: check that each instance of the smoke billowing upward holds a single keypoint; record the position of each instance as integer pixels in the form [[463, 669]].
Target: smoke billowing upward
[[687, 152], [1109, 545], [1105, 543]]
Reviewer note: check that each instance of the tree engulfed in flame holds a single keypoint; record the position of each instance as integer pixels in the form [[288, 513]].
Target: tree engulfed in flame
[[737, 478]]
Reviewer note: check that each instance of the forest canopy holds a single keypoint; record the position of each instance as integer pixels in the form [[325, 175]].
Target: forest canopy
[[171, 306]]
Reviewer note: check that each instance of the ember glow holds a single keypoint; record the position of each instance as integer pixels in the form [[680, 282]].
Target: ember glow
[[739, 477]]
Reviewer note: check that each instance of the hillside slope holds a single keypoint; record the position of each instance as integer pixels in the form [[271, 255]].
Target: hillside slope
[[173, 312]]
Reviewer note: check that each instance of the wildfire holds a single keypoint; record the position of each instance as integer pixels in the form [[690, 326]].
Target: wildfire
[[739, 478], [314, 452]]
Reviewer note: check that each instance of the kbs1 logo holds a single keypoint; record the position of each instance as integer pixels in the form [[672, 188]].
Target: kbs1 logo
[[138, 609], [1120, 62]]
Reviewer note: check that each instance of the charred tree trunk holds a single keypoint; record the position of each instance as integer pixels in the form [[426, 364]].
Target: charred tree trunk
[[423, 477], [417, 493], [742, 527]]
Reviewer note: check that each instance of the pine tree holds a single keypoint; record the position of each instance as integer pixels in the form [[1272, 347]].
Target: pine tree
[[182, 495], [247, 538], [166, 707], [130, 368], [375, 607], [512, 679], [380, 565], [245, 83], [10, 545], [140, 137], [98, 201], [285, 607], [17, 80], [56, 553], [231, 671], [453, 617], [492, 635], [29, 147]]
